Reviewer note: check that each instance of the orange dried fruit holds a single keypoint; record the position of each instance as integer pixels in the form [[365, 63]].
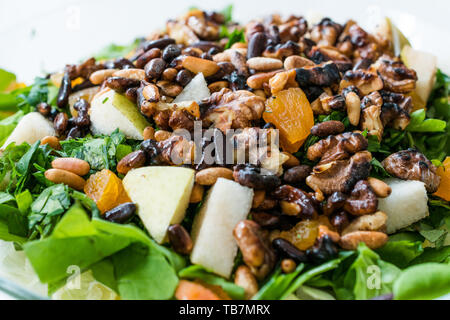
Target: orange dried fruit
[[290, 111], [106, 189], [444, 187], [303, 235]]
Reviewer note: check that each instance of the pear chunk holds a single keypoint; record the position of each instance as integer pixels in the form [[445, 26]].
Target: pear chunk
[[212, 231], [110, 111], [31, 128], [425, 64], [196, 90], [408, 203], [161, 195]]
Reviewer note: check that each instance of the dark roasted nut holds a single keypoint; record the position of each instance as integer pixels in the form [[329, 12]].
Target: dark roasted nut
[[169, 89], [147, 57], [207, 46], [334, 202], [60, 123], [255, 247], [340, 175], [252, 177], [131, 94], [120, 63], [232, 110], [155, 68], [297, 174], [120, 84], [412, 165], [327, 128], [171, 52], [371, 114], [266, 220], [282, 50], [133, 160], [75, 133], [362, 200], [240, 63], [306, 204], [288, 265], [256, 45], [159, 43], [121, 213], [64, 90], [206, 56], [395, 110], [340, 221], [44, 108], [184, 77], [366, 81], [323, 250], [288, 250], [396, 76], [325, 75], [170, 74], [326, 32], [151, 149], [337, 147], [82, 119], [180, 239]]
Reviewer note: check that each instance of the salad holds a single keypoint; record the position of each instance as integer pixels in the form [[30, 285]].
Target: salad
[[280, 159]]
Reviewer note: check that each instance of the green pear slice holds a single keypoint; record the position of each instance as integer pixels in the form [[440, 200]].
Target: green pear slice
[[110, 111], [31, 128], [162, 196], [226, 205]]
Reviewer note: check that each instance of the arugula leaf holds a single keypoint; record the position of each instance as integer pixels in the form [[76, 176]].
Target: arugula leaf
[[228, 13], [235, 36], [198, 272], [6, 78], [432, 255], [114, 51], [77, 240], [400, 253], [420, 124], [423, 282]]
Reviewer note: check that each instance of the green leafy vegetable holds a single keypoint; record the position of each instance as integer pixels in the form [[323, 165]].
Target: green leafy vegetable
[[400, 253], [228, 13], [235, 36], [420, 124], [423, 282], [198, 272], [433, 255], [114, 51], [77, 240], [6, 78]]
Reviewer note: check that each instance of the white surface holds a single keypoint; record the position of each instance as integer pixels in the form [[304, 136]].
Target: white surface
[[44, 35]]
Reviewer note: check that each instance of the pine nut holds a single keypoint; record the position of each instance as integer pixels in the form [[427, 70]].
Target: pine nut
[[244, 278], [135, 74], [74, 165], [65, 177], [149, 133], [239, 45], [162, 135], [292, 161], [217, 86], [101, 75], [197, 65], [290, 208], [353, 103], [373, 239], [381, 188], [197, 193], [52, 141], [294, 62], [207, 177], [257, 81], [288, 265], [258, 198], [264, 64], [226, 55], [151, 93]]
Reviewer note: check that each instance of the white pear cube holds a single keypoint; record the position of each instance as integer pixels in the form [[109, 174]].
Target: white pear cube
[[31, 128], [407, 204], [226, 205], [110, 111], [196, 90], [161, 195]]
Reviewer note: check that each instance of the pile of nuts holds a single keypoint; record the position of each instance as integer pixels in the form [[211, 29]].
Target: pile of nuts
[[68, 171]]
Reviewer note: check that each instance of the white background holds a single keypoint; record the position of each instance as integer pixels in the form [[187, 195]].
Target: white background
[[44, 35]]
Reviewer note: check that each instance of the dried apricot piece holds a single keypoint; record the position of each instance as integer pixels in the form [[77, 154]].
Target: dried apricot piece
[[106, 189], [444, 187], [303, 235], [290, 111]]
